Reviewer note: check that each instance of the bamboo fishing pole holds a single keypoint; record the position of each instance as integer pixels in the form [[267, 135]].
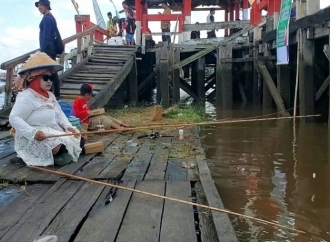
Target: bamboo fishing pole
[[162, 197], [177, 125]]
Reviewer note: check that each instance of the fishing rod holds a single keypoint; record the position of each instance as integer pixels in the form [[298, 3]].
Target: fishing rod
[[162, 197], [179, 125]]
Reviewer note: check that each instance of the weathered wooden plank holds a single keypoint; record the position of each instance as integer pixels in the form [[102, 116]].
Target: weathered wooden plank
[[76, 86], [143, 217], [66, 222], [139, 165], [92, 66], [206, 224], [82, 75], [89, 78], [217, 25], [302, 23], [175, 171], [13, 212], [158, 162], [95, 81], [178, 222], [103, 222], [39, 216], [4, 134], [6, 167], [122, 157], [98, 163], [221, 221]]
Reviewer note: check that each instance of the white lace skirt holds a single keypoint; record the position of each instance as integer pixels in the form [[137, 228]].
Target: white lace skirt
[[39, 153]]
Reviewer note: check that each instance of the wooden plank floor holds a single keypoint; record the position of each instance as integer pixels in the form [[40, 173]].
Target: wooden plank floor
[[40, 204]]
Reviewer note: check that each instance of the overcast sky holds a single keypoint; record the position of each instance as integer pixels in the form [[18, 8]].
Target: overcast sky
[[19, 22]]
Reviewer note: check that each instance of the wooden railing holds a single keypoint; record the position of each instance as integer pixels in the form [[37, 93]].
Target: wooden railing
[[85, 41]]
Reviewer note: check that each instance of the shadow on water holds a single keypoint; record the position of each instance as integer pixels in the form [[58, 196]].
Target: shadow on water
[[266, 170]]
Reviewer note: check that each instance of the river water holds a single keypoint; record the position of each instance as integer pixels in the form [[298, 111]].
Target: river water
[[267, 170]]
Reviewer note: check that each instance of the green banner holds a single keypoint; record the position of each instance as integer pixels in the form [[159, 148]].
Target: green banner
[[282, 33]]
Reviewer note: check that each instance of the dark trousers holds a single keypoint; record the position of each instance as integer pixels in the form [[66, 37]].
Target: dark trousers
[[211, 34], [51, 52], [166, 35]]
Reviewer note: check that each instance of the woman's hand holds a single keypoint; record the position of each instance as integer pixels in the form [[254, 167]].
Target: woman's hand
[[40, 136], [72, 130]]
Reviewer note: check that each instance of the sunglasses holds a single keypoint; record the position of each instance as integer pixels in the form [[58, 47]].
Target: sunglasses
[[46, 78]]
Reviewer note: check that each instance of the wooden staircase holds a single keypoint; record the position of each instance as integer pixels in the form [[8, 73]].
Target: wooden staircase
[[106, 69]]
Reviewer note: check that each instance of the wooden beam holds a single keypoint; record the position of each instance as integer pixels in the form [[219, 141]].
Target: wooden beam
[[326, 51], [323, 87], [272, 88], [212, 48], [187, 88], [217, 25], [302, 23], [248, 59], [146, 81]]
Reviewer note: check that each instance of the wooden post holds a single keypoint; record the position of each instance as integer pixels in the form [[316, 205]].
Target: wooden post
[[176, 77], [133, 84], [283, 84], [200, 84], [266, 96], [218, 84], [8, 87], [79, 49], [227, 77], [158, 96], [326, 50], [306, 75], [256, 76], [164, 80]]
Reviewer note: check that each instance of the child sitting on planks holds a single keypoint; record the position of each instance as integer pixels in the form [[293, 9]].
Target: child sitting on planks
[[80, 106]]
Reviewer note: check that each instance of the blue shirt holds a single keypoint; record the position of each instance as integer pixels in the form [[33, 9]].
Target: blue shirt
[[47, 31]]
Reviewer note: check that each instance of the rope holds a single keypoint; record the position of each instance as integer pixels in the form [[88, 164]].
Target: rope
[[181, 125], [164, 197]]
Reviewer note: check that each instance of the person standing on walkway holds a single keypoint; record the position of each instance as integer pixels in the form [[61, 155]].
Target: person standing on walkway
[[195, 34], [210, 19], [166, 25], [111, 26], [50, 40]]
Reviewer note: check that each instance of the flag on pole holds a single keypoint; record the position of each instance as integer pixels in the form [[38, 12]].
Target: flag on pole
[[99, 18]]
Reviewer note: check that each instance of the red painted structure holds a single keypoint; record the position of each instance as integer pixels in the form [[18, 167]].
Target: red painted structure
[[271, 6], [83, 22]]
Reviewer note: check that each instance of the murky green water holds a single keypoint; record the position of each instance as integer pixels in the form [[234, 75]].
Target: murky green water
[[268, 170]]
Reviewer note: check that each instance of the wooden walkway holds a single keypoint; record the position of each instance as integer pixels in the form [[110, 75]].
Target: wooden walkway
[[43, 204]]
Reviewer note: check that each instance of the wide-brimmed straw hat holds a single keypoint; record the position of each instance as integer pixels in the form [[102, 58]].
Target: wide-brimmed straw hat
[[40, 60], [43, 2]]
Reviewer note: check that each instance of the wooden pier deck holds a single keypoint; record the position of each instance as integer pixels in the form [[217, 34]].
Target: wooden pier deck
[[43, 204]]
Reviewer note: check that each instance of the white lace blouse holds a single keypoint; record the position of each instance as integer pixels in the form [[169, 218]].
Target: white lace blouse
[[32, 112]]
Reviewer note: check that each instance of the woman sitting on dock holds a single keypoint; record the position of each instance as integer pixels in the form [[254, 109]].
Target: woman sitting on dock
[[36, 114], [81, 108]]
